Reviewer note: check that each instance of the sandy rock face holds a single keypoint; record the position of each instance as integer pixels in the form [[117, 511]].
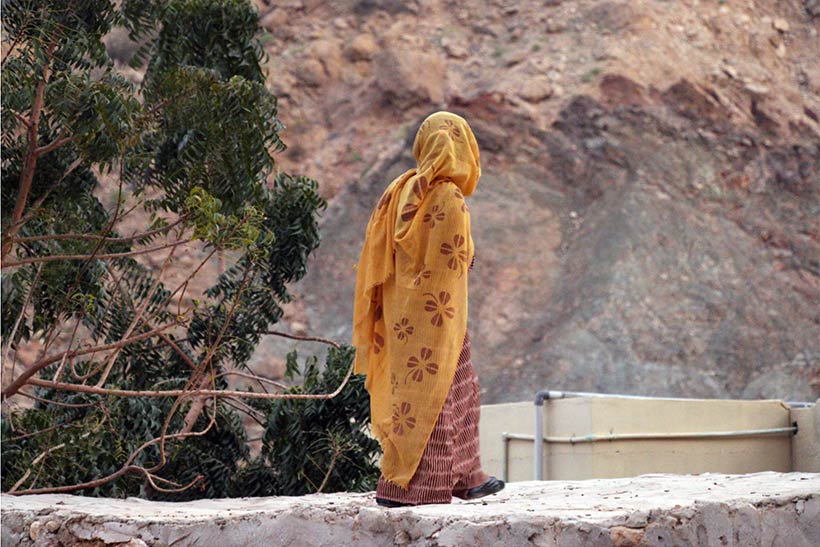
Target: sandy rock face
[[647, 218], [362, 48], [646, 221], [625, 249], [765, 509], [409, 77]]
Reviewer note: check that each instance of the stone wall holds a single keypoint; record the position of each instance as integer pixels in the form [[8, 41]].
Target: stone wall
[[763, 509]]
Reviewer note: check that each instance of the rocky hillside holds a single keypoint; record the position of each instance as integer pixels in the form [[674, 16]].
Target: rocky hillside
[[648, 220]]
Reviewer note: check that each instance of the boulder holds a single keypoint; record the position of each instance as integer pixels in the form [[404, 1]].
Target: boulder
[[362, 48], [408, 77], [535, 89]]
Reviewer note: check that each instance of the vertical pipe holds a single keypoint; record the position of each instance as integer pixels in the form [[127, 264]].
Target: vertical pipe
[[539, 433], [539, 441], [540, 397], [505, 443]]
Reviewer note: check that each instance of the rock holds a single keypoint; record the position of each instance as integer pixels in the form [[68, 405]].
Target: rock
[[618, 90], [322, 65], [312, 73], [119, 45], [328, 53], [53, 525], [516, 57], [611, 17], [34, 530], [132, 74], [408, 77], [626, 537], [729, 70], [535, 89], [756, 89], [297, 327], [274, 19], [555, 25], [704, 161], [453, 48], [780, 24], [392, 7], [362, 48]]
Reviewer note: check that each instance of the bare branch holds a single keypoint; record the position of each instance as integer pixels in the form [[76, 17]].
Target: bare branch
[[20, 118], [329, 470], [137, 317], [54, 258], [307, 338], [196, 408], [59, 373], [150, 233], [20, 319], [126, 468], [182, 392], [260, 379], [245, 408], [27, 375], [38, 432], [34, 462], [50, 336], [53, 145], [56, 403], [180, 488], [30, 161]]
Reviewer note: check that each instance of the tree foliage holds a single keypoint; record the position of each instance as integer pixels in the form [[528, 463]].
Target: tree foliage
[[190, 150]]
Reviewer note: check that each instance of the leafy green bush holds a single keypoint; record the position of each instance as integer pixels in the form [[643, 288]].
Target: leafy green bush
[[191, 150], [322, 442]]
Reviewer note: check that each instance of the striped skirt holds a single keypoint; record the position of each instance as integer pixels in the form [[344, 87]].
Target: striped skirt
[[450, 463]]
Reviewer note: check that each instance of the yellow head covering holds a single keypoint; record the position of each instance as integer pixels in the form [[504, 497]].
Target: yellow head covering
[[410, 306]]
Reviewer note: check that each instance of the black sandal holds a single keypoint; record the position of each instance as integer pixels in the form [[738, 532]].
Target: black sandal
[[490, 486], [390, 503]]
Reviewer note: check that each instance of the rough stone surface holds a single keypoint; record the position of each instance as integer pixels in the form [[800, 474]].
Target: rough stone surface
[[764, 509], [642, 244], [362, 48], [409, 77], [647, 221]]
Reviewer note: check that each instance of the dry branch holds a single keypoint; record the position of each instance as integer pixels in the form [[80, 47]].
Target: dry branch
[[108, 256], [28, 375], [181, 392]]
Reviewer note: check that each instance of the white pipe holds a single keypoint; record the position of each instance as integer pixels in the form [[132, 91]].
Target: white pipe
[[539, 446], [654, 436], [505, 441]]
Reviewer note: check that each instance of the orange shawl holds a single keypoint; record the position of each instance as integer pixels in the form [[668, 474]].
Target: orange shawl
[[410, 307]]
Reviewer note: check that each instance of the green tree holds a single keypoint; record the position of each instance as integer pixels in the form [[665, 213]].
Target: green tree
[[130, 383]]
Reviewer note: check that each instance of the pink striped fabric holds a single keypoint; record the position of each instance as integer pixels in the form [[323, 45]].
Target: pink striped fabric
[[450, 464]]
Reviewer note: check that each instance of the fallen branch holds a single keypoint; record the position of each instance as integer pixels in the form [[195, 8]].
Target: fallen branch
[[181, 392], [27, 375], [34, 462], [95, 237], [306, 338], [108, 256]]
